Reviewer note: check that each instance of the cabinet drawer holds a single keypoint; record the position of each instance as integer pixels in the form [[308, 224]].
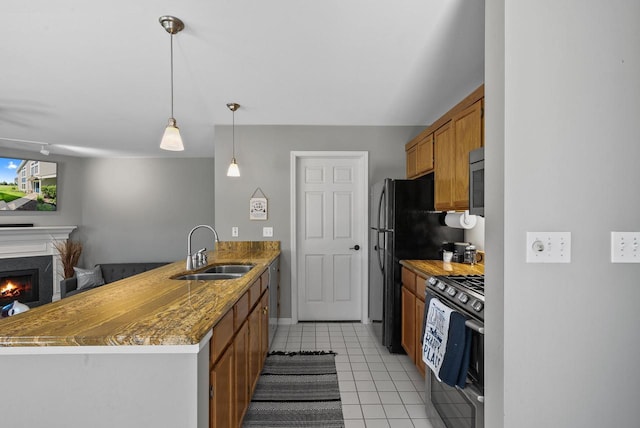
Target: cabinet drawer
[[241, 311], [254, 293], [409, 280], [264, 280], [222, 333]]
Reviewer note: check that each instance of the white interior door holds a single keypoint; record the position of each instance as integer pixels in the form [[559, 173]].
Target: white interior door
[[331, 201]]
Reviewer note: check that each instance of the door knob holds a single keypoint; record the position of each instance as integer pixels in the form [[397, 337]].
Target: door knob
[[355, 247]]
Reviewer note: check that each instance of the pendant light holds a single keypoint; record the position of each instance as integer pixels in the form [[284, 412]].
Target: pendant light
[[233, 170], [171, 139]]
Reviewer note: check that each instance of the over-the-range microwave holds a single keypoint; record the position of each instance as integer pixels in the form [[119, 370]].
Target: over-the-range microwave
[[476, 181]]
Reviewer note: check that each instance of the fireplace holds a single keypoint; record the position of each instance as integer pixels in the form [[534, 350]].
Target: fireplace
[[21, 246], [28, 280], [21, 285]]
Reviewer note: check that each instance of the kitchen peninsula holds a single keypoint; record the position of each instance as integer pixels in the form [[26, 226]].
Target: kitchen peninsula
[[137, 352]]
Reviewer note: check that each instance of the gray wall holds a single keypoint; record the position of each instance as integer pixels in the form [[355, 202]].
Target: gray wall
[[263, 154], [142, 209], [563, 118], [129, 209]]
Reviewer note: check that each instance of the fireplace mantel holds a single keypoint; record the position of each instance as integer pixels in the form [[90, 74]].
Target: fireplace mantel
[[35, 241]]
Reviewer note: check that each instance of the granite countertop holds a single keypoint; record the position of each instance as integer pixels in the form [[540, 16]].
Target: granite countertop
[[147, 309], [438, 267]]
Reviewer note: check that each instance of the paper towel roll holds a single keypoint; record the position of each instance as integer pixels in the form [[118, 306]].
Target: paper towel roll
[[460, 220]]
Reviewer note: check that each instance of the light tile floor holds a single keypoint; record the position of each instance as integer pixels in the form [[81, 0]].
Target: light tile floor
[[377, 389]]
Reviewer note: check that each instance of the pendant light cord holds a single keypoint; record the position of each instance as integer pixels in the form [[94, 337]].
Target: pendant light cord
[[171, 44]]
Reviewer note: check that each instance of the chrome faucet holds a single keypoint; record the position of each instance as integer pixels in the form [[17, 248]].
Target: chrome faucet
[[199, 259]]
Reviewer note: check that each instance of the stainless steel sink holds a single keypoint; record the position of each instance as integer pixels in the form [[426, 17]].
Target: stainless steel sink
[[210, 276], [230, 268]]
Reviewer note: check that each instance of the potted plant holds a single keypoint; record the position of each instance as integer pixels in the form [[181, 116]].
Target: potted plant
[[69, 255]]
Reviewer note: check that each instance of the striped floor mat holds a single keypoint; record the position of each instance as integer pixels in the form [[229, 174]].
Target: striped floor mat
[[296, 390]]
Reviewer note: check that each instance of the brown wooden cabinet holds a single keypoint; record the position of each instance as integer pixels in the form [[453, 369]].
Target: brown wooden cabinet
[[409, 323], [264, 326], [255, 350], [444, 166], [413, 287], [419, 155], [222, 404], [412, 160], [444, 149], [238, 348], [453, 143], [418, 334]]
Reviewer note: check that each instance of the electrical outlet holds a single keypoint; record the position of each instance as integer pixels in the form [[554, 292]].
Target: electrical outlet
[[548, 247], [625, 247], [234, 231], [267, 232]]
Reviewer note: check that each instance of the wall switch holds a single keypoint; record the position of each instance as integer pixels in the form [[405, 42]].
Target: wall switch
[[267, 231], [234, 231], [548, 247], [625, 247]]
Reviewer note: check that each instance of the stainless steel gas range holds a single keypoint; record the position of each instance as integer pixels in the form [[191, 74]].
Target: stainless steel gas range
[[460, 407]]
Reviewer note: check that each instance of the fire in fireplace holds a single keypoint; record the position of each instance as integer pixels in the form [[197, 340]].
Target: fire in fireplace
[[21, 285]]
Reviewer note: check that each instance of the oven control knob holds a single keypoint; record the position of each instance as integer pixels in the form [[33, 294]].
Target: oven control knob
[[432, 281], [441, 285], [451, 291], [477, 305], [463, 297]]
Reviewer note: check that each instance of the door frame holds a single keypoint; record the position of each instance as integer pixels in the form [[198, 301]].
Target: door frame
[[363, 156]]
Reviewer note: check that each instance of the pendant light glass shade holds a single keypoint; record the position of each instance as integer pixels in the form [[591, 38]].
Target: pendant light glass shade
[[233, 170], [171, 139]]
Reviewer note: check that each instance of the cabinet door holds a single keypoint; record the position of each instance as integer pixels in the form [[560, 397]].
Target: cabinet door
[[241, 366], [408, 279], [444, 166], [468, 136], [221, 409], [419, 320], [424, 157], [408, 338], [412, 161], [254, 347], [264, 327]]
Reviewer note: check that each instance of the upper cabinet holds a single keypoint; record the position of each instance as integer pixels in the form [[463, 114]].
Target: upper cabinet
[[419, 155], [445, 151]]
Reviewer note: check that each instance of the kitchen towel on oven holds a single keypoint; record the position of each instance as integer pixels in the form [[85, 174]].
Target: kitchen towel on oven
[[446, 345]]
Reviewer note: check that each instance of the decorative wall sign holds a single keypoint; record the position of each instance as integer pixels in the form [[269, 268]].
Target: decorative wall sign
[[258, 206]]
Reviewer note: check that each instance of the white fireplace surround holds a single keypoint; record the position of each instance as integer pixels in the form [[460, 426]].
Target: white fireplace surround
[[35, 241]]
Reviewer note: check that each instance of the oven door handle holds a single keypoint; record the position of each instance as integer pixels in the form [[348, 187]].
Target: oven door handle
[[472, 393], [473, 325]]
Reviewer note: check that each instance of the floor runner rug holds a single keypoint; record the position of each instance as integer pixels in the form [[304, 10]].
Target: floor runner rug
[[296, 390]]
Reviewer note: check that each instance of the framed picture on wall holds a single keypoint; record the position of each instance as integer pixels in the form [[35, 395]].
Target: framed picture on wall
[[258, 209]]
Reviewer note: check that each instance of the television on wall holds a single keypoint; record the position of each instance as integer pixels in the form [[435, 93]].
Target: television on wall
[[28, 185]]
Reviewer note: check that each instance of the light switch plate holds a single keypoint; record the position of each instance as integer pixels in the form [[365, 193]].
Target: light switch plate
[[625, 247], [267, 232], [548, 247]]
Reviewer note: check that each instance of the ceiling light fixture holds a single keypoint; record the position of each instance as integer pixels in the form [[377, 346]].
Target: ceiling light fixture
[[171, 139], [233, 170]]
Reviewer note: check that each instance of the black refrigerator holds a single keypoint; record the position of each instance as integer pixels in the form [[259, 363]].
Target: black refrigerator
[[403, 225]]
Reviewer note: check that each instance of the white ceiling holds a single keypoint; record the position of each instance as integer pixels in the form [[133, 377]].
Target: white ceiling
[[92, 78]]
